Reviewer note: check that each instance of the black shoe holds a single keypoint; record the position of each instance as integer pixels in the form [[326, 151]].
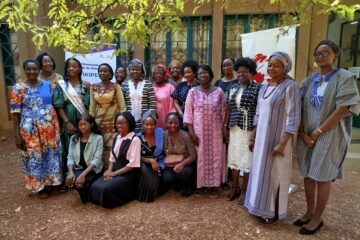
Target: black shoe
[[300, 222], [186, 192], [42, 194], [235, 192], [305, 231]]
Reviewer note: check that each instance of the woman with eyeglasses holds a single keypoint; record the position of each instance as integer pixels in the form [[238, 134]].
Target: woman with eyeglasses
[[119, 183], [204, 117], [329, 99]]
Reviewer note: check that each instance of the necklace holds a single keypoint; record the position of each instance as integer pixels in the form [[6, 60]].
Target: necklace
[[265, 97], [101, 93]]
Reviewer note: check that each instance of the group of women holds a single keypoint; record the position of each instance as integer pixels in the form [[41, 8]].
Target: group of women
[[138, 138]]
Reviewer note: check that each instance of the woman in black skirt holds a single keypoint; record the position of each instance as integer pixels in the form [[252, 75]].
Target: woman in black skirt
[[119, 183], [152, 158]]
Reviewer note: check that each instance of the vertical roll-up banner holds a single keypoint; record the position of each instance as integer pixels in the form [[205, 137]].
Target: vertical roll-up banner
[[91, 60], [260, 45]]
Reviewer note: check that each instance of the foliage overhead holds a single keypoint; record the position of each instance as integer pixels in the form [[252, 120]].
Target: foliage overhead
[[80, 25]]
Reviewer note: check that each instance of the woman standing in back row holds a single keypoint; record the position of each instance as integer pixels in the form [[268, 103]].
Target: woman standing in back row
[[329, 99], [138, 92], [106, 101], [276, 122]]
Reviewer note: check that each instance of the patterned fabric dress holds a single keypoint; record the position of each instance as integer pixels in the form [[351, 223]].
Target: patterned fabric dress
[[278, 111], [205, 112], [41, 162], [180, 93], [226, 86], [164, 103], [104, 107], [324, 161], [61, 101], [139, 100], [242, 103]]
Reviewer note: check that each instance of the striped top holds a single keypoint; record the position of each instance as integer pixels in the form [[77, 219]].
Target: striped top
[[243, 116], [138, 100], [324, 161]]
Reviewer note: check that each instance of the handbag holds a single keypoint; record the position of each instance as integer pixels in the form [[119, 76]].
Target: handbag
[[172, 159]]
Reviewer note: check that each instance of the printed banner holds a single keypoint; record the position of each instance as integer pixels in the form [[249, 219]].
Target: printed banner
[[260, 45], [91, 61]]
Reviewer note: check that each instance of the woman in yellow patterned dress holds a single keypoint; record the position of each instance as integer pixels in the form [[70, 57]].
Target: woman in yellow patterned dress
[[106, 100]]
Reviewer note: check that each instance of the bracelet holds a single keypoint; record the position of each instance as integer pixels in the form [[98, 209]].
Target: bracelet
[[320, 131]]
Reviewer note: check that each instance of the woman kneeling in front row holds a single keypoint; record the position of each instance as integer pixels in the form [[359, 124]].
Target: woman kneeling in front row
[[180, 156], [119, 183], [84, 157]]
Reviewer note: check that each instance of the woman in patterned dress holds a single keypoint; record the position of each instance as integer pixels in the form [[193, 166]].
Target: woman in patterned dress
[[230, 77], [181, 91], [329, 99], [106, 101], [37, 132], [204, 117], [138, 92], [240, 115]]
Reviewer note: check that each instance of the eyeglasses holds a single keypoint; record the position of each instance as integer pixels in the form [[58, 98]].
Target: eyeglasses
[[323, 54], [204, 73], [227, 66]]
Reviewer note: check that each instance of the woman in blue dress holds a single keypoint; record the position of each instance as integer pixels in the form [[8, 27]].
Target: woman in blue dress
[[37, 132]]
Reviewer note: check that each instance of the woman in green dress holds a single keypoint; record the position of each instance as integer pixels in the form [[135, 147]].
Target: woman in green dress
[[71, 98]]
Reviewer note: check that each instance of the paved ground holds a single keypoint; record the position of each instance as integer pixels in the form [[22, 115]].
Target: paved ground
[[169, 217]]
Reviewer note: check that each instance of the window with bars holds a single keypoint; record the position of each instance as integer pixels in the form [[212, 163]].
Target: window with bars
[[125, 57], [192, 40], [235, 25], [7, 49]]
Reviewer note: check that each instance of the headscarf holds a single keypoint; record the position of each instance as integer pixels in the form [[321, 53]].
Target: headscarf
[[158, 152], [284, 58], [176, 63], [149, 113], [163, 68], [137, 63]]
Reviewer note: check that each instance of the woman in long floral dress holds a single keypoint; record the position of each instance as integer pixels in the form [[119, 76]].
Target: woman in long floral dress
[[37, 132]]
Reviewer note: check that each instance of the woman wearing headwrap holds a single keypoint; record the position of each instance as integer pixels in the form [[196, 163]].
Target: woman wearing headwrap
[[175, 72], [329, 99], [119, 183], [138, 92], [163, 91], [152, 157], [276, 122]]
